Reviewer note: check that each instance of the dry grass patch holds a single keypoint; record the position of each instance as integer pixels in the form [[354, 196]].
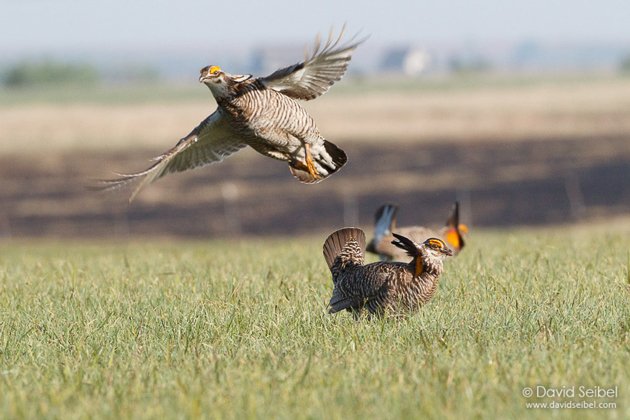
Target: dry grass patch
[[540, 110]]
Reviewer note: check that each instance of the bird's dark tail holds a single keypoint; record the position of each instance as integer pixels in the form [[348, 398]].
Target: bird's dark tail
[[338, 156], [348, 244]]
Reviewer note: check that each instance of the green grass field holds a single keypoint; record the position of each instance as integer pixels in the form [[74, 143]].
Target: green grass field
[[240, 329]]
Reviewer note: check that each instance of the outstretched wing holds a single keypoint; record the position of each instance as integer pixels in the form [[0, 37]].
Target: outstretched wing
[[209, 142], [314, 76]]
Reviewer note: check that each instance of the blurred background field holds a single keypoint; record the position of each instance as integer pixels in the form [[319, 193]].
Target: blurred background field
[[520, 112], [514, 149]]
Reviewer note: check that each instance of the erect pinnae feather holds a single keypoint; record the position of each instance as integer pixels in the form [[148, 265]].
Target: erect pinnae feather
[[406, 244]]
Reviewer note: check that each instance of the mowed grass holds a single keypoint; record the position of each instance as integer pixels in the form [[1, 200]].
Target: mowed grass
[[233, 329]]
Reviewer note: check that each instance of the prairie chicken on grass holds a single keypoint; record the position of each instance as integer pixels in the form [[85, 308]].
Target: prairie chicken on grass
[[261, 112], [385, 226], [381, 287]]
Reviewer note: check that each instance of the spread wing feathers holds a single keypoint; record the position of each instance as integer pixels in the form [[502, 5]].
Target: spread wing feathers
[[350, 241], [314, 76], [407, 244], [209, 142]]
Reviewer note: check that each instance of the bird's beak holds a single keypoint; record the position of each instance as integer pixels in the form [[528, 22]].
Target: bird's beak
[[448, 252], [203, 78]]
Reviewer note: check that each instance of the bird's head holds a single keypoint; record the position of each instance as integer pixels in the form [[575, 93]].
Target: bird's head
[[219, 82], [432, 248], [427, 256], [436, 248], [211, 74], [215, 79]]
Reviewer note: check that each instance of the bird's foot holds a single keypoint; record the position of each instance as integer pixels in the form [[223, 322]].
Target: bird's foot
[[305, 170], [310, 166]]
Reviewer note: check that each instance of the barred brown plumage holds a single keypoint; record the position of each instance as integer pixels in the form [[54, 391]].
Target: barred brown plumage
[[382, 287], [385, 225], [262, 113]]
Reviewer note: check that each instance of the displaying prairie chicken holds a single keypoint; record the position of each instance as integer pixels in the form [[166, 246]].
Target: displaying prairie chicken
[[385, 226], [262, 113], [381, 287]]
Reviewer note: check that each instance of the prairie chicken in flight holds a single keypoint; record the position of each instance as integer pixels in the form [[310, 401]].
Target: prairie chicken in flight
[[385, 226], [381, 287], [261, 112]]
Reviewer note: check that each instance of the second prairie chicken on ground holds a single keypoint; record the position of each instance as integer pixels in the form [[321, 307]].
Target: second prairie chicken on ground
[[385, 226], [262, 113], [381, 287]]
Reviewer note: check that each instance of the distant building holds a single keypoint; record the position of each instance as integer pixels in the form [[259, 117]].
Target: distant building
[[406, 60]]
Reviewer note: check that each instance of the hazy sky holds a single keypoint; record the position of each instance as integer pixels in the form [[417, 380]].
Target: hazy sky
[[31, 26]]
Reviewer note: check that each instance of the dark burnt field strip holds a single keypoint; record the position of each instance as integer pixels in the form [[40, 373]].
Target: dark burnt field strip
[[527, 182]]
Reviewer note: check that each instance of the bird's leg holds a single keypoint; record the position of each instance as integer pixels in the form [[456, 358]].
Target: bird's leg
[[298, 164], [307, 165], [310, 166]]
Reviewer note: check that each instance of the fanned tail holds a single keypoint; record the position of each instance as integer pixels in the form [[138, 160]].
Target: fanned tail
[[348, 243]]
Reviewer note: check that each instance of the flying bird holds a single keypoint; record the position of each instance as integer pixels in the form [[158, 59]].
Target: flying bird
[[382, 287], [385, 226], [263, 113]]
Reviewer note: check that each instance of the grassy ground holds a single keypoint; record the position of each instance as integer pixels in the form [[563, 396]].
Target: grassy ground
[[240, 329]]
